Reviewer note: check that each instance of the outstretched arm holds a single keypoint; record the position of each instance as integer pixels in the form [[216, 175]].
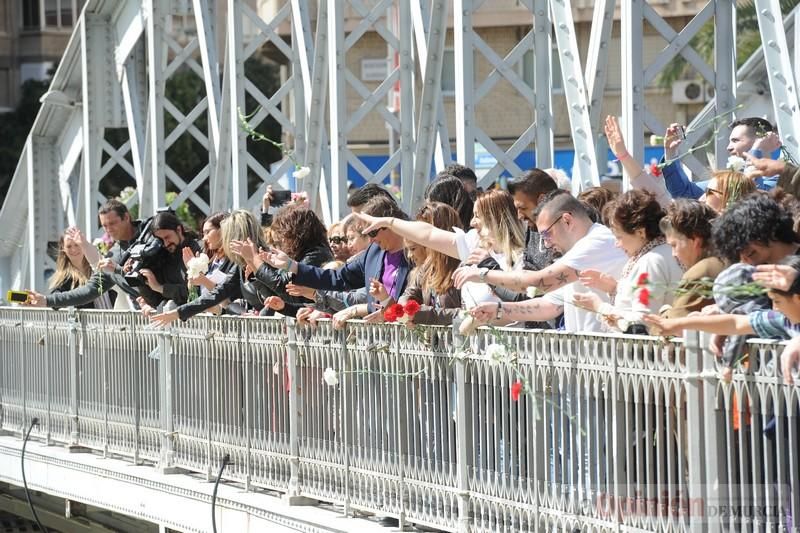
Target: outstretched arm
[[719, 324], [545, 280], [416, 231]]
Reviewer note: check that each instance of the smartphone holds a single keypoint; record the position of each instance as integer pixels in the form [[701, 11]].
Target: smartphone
[[280, 198], [682, 132], [18, 296]]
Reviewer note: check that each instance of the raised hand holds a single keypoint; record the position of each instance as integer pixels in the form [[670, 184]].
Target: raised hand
[[767, 143], [614, 135], [187, 254], [672, 140], [245, 249]]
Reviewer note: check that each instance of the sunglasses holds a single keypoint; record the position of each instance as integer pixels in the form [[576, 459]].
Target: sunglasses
[[338, 240], [374, 233], [546, 234]]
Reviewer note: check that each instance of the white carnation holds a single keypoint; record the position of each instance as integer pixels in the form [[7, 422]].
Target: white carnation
[[656, 140], [197, 265], [736, 163], [403, 319], [531, 292], [331, 377], [497, 353], [301, 173]]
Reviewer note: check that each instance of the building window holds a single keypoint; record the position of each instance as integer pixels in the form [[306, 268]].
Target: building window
[[52, 13], [529, 69], [30, 14], [449, 72]]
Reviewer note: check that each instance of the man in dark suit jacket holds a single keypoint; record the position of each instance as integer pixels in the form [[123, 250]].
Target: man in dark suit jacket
[[384, 260]]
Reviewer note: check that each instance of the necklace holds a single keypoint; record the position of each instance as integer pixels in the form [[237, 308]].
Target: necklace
[[626, 270]]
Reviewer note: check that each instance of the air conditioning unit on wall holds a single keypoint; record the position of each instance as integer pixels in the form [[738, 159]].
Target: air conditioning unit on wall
[[689, 92]]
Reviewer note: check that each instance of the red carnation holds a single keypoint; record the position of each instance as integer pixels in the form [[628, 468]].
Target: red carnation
[[516, 389], [411, 308], [644, 296], [655, 170], [642, 279], [393, 312]]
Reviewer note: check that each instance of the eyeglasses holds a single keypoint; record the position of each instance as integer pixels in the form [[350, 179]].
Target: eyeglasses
[[336, 239], [713, 191], [374, 233], [546, 233]]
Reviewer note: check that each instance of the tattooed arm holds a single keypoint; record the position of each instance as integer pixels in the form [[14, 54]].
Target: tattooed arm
[[548, 279], [537, 309]]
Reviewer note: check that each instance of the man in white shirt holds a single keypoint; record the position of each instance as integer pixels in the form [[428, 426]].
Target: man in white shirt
[[584, 244]]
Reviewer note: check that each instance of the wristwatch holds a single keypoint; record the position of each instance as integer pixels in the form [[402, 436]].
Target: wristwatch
[[482, 274]]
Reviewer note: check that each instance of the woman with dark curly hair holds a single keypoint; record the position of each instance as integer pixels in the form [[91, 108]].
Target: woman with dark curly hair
[[297, 231], [651, 273]]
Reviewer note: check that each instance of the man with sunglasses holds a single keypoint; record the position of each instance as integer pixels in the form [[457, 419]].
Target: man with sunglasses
[[564, 225]]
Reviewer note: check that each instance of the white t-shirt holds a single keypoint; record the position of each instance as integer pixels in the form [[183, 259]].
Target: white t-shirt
[[595, 251]]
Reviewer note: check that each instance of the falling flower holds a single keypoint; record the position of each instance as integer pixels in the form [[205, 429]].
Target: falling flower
[[656, 140], [497, 353], [642, 279], [516, 389], [531, 292], [655, 170], [644, 296], [331, 377], [301, 172], [736, 163]]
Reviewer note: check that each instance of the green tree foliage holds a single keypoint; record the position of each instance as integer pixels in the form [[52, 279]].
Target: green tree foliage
[[14, 129], [748, 40]]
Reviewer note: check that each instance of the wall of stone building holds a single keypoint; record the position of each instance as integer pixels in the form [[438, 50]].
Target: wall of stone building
[[504, 113]]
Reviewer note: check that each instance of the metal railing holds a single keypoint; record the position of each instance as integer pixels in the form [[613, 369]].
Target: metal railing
[[612, 432]]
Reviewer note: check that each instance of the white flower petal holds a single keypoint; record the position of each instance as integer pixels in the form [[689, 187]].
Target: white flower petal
[[301, 173], [331, 377]]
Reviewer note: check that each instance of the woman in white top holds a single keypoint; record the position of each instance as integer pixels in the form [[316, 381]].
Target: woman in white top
[[651, 273], [496, 232]]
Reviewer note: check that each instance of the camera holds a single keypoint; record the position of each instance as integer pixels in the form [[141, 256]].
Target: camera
[[141, 254]]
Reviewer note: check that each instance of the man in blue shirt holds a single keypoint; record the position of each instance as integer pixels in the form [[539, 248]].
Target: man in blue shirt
[[755, 136]]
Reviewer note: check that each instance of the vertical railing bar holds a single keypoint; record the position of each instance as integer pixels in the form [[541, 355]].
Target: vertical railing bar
[[347, 412], [137, 393], [462, 455], [48, 388], [244, 350], [104, 380], [209, 349]]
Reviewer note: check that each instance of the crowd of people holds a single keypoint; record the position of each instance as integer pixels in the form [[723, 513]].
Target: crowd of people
[[667, 255]]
